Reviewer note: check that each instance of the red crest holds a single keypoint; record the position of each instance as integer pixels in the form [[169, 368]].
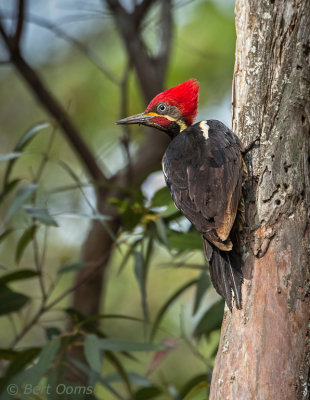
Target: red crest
[[183, 96]]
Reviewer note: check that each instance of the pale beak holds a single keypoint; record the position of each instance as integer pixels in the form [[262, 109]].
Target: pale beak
[[135, 119]]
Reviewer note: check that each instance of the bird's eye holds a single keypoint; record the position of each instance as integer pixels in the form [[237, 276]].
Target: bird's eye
[[162, 107]]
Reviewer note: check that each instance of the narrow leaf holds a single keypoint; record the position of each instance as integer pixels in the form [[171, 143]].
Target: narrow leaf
[[161, 355], [29, 135], [161, 198], [5, 234], [98, 217], [191, 384], [199, 392], [148, 393], [211, 320], [135, 378], [201, 288], [129, 253], [52, 332], [125, 345], [18, 275], [92, 352], [46, 358], [8, 354], [8, 188], [72, 267], [184, 241], [23, 242], [140, 274], [168, 303], [161, 231], [121, 370], [9, 156], [20, 361], [41, 214], [11, 301], [22, 143], [23, 194]]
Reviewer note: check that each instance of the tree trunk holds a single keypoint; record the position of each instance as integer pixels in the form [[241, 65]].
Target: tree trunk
[[264, 351]]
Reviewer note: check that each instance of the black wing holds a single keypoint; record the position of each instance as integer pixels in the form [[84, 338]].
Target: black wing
[[203, 170]]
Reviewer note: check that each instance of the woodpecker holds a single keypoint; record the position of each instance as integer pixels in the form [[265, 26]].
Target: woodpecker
[[204, 172]]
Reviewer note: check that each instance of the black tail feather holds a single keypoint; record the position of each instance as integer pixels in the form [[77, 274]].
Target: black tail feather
[[225, 272]]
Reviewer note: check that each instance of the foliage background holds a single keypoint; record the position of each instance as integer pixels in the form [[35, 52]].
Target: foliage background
[[202, 47]]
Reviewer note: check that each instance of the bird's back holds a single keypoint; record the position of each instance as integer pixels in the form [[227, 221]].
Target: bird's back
[[203, 172], [203, 168]]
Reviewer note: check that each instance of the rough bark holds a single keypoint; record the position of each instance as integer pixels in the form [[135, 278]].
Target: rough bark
[[264, 351]]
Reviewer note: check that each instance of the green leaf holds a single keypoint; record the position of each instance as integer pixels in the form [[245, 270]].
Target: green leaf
[[125, 345], [23, 242], [147, 393], [168, 303], [184, 241], [128, 254], [191, 384], [41, 214], [23, 194], [162, 198], [132, 215], [72, 267], [113, 359], [140, 273], [8, 188], [30, 134], [162, 232], [70, 172], [135, 378], [92, 352], [47, 355], [20, 361], [199, 392], [98, 217], [52, 332], [8, 354], [45, 361], [18, 275], [11, 301], [9, 156], [201, 288], [211, 320], [22, 143], [5, 234]]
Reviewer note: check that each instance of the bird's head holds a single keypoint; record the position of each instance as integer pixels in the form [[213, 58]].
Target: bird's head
[[171, 111]]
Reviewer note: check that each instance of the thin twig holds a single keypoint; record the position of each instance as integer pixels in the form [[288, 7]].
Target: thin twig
[[38, 266], [93, 266], [36, 253], [123, 113]]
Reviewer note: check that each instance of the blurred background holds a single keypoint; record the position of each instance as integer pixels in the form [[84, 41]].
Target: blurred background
[[149, 325]]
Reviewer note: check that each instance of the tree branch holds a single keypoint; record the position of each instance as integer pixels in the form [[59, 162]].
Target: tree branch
[[141, 9], [46, 24], [130, 31], [55, 109], [19, 23], [166, 36]]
